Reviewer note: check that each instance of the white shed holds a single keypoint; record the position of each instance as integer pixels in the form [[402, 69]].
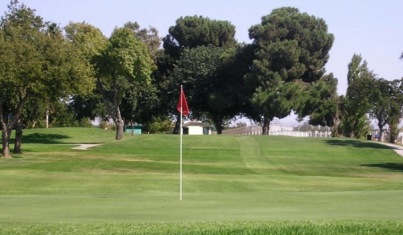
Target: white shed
[[196, 128]]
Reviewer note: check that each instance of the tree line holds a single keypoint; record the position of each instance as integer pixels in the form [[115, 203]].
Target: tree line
[[75, 73]]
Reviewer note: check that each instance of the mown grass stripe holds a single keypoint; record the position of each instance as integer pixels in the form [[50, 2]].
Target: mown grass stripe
[[227, 179]]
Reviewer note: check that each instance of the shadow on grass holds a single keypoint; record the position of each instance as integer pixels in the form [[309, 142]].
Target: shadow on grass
[[387, 166], [356, 143], [37, 138]]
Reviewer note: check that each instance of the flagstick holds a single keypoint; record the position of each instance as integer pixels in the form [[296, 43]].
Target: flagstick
[[180, 151]]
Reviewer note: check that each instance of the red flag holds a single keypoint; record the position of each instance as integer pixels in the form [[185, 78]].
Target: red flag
[[182, 106]]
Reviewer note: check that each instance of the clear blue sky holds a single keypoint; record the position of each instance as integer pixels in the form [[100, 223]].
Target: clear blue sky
[[371, 28]]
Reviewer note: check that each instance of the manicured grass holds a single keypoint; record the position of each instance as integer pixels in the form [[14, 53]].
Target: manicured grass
[[269, 182]]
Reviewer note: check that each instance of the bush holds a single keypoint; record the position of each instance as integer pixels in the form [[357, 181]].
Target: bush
[[107, 125], [159, 125]]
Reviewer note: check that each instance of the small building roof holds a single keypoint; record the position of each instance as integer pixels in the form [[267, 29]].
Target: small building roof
[[194, 123]]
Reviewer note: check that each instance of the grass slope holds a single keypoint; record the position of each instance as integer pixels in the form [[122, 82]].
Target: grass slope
[[226, 178]]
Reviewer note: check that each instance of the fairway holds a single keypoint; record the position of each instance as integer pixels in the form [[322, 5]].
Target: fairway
[[226, 179]]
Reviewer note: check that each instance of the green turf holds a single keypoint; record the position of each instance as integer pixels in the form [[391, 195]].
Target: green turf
[[226, 179], [212, 228]]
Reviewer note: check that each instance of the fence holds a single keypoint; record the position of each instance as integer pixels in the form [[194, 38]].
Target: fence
[[276, 130]]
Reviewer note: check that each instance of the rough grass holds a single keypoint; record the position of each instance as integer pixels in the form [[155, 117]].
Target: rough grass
[[232, 185], [212, 228]]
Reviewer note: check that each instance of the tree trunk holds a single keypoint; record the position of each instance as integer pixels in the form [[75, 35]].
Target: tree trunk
[[112, 109], [18, 138], [394, 131], [6, 139], [380, 126], [353, 129], [47, 118], [6, 128], [177, 126], [335, 127], [119, 122], [119, 129], [392, 138], [266, 126], [219, 129], [348, 127], [218, 123]]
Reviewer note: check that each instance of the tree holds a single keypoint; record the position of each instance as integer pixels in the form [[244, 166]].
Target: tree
[[36, 62], [396, 110], [88, 39], [34, 113], [291, 50], [148, 36], [191, 32], [386, 105], [380, 100], [321, 103], [91, 42], [140, 103], [207, 74], [124, 60], [194, 31], [357, 101]]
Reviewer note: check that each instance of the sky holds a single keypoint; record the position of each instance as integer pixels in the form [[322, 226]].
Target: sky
[[370, 28]]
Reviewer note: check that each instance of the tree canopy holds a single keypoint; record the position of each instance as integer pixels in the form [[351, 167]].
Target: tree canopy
[[213, 90], [386, 104], [321, 103], [124, 60], [37, 63], [291, 50], [194, 31], [357, 103]]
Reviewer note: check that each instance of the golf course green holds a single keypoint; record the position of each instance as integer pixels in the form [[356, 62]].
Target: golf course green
[[231, 185]]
